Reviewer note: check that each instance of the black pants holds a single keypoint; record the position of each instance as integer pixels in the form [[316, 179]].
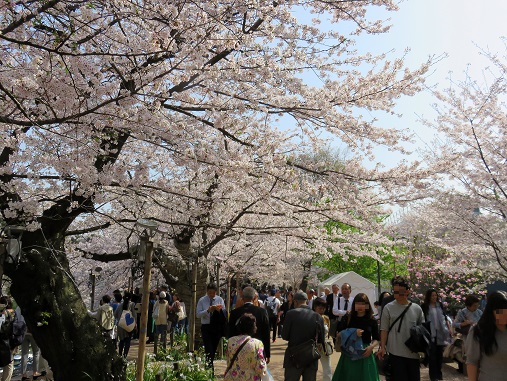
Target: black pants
[[405, 369], [211, 338], [436, 360], [124, 346], [273, 322]]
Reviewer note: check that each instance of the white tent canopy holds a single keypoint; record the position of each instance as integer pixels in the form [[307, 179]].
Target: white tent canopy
[[356, 281]]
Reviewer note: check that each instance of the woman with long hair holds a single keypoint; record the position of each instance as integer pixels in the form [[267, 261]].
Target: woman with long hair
[[245, 355], [364, 369], [434, 312], [486, 344], [287, 305], [384, 295], [125, 337]]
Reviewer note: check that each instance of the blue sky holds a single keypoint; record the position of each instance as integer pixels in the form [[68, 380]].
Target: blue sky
[[458, 28]]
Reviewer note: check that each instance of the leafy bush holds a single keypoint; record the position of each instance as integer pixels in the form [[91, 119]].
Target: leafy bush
[[174, 364]]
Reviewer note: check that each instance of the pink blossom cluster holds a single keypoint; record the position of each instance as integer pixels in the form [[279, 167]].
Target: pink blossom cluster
[[453, 284]]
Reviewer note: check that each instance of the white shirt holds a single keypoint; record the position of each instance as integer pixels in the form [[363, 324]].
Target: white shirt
[[339, 308], [202, 307], [276, 308]]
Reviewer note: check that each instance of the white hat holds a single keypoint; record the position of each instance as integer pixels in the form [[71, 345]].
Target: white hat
[[162, 295]]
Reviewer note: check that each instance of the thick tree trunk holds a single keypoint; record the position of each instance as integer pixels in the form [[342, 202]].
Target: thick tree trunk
[[182, 272], [69, 339]]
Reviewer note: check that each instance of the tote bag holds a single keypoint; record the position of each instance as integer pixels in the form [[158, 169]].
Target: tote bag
[[127, 321]]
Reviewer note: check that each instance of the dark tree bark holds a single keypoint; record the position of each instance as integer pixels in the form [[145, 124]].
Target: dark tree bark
[[179, 270], [69, 339]]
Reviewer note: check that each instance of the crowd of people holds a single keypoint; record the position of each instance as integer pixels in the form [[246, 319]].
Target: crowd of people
[[367, 334], [166, 314]]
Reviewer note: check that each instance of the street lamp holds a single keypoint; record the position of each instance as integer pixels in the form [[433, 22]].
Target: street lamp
[[13, 248], [94, 272], [149, 229]]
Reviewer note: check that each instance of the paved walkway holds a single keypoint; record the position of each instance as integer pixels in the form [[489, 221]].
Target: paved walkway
[[276, 364], [450, 372]]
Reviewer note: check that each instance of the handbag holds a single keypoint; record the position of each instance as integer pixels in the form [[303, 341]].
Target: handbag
[[384, 365], [172, 316], [267, 376], [420, 337], [156, 311], [338, 342], [326, 348], [219, 322], [304, 354], [127, 321], [463, 330]]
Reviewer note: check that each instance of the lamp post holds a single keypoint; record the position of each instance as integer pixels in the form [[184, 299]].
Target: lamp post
[[219, 261], [13, 248], [11, 252], [94, 272], [146, 248]]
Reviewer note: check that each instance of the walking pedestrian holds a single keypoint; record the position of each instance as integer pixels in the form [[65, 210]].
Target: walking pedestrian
[[211, 311], [464, 320], [301, 325], [261, 320], [6, 328], [434, 312], [125, 337], [486, 344], [361, 318], [320, 306], [245, 354], [405, 363]]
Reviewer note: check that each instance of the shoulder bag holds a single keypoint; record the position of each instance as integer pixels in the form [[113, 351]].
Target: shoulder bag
[[304, 354], [127, 321], [384, 365], [236, 355], [325, 348]]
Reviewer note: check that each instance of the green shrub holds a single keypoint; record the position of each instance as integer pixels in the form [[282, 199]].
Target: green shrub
[[190, 366]]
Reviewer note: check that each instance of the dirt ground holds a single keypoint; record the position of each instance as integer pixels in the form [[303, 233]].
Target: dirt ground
[[276, 364]]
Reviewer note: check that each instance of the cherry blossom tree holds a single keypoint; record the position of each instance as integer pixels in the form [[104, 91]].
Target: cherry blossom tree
[[470, 191], [170, 110]]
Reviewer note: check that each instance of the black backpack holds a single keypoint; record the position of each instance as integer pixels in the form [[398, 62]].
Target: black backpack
[[270, 307], [7, 318], [18, 331]]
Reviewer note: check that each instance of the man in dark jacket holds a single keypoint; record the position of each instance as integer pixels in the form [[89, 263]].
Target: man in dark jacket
[[261, 320], [301, 324]]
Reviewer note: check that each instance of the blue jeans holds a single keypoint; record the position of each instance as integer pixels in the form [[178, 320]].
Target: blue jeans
[[160, 331]]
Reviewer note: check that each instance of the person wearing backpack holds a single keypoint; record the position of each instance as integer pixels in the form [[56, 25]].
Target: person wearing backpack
[[7, 316], [20, 333], [105, 317], [273, 308]]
